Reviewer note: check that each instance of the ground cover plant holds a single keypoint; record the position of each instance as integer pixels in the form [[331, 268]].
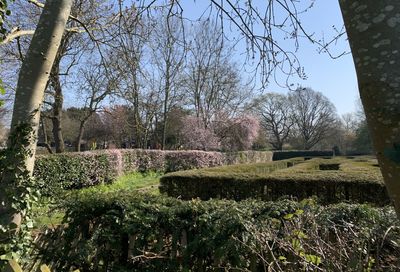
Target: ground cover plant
[[330, 179], [130, 231]]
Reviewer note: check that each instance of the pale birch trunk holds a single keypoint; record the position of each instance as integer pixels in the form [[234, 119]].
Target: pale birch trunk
[[31, 84], [373, 28], [36, 68]]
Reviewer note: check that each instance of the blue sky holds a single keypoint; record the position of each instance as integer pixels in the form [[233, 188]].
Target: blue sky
[[335, 78]]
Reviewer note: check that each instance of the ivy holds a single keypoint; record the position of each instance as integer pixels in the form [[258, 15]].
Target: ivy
[[2, 92], [4, 11], [17, 196]]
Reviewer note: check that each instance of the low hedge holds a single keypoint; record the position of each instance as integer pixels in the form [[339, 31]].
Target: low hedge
[[131, 232], [284, 155], [356, 181], [77, 170]]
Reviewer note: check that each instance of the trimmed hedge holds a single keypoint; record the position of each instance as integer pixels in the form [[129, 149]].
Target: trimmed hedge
[[284, 155], [356, 181], [78, 170], [132, 232], [243, 157], [72, 171]]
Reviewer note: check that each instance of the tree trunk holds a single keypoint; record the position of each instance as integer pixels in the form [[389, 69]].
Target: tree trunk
[[165, 108], [32, 81], [57, 111], [45, 138], [373, 28], [58, 94], [36, 68], [80, 136]]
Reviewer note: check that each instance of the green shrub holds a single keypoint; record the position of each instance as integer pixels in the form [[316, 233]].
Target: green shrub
[[72, 171], [124, 231], [355, 181], [77, 170]]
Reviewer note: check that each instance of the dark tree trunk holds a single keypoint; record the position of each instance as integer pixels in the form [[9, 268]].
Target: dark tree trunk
[[165, 108], [80, 136], [57, 112]]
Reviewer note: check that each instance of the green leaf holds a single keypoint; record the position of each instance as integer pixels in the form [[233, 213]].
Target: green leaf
[[282, 258], [313, 259], [296, 244], [2, 90], [299, 212], [299, 234], [288, 216]]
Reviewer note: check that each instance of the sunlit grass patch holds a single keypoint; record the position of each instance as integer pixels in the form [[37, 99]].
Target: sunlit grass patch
[[49, 213]]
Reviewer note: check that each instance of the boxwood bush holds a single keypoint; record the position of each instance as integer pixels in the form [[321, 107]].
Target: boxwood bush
[[125, 231], [355, 181]]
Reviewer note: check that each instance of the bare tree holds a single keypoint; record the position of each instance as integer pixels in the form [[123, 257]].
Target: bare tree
[[275, 115], [168, 55], [313, 115], [73, 46], [118, 125], [96, 86], [213, 80], [350, 121], [131, 34]]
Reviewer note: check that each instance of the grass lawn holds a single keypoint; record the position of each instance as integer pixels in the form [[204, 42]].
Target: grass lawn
[[143, 182], [49, 214]]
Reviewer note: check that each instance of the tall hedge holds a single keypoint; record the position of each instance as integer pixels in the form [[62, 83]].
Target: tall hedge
[[73, 171], [77, 170]]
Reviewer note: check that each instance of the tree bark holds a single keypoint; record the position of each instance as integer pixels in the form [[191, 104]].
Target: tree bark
[[373, 28], [165, 107], [36, 68], [32, 81], [80, 136], [58, 94], [57, 111], [46, 139]]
